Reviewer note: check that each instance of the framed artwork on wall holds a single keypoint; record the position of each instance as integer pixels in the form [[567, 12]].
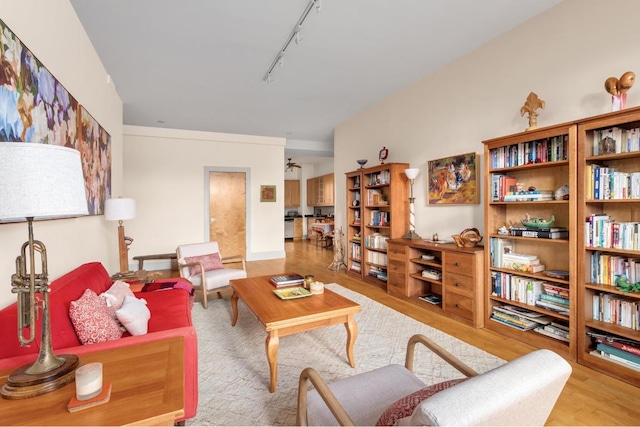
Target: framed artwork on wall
[[267, 193], [453, 180]]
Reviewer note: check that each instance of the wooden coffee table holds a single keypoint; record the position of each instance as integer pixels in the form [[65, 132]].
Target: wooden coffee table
[[285, 317]]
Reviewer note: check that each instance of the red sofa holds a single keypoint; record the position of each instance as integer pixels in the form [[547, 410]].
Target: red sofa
[[170, 317]]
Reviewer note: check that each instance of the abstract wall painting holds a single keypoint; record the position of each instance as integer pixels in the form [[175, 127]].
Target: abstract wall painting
[[36, 108]]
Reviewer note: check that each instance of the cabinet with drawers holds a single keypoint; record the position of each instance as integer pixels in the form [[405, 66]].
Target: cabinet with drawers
[[439, 277]]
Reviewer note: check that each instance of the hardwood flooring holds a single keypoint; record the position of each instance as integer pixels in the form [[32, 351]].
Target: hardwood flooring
[[589, 398]]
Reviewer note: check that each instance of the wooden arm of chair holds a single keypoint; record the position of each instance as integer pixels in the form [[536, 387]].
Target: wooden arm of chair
[[202, 272], [234, 259], [310, 374], [444, 354]]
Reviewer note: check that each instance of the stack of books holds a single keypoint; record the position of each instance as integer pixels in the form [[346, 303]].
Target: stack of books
[[618, 350], [432, 298], [287, 280], [519, 318], [432, 273], [554, 330], [528, 196], [555, 298], [522, 262], [540, 233]]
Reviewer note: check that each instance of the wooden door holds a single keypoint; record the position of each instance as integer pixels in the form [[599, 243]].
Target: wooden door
[[227, 211]]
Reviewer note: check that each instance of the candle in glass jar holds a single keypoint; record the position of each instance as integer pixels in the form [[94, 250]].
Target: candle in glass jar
[[317, 288], [88, 381]]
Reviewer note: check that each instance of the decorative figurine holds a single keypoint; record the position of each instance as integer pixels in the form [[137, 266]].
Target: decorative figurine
[[383, 154], [618, 89], [534, 222], [338, 251], [530, 106]]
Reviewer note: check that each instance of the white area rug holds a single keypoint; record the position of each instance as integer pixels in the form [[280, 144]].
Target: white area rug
[[234, 373]]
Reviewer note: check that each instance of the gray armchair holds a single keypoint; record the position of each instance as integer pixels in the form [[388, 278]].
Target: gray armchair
[[520, 392]]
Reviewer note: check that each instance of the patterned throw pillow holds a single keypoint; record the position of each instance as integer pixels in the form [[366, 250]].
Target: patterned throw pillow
[[91, 320], [134, 315], [405, 406], [114, 296], [210, 261]]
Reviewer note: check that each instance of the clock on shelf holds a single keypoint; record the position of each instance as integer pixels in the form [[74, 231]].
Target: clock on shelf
[[383, 154]]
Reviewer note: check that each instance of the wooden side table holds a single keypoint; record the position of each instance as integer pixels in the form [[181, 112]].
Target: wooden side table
[[147, 389]]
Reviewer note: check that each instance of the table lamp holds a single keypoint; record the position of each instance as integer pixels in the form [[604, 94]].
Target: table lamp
[[412, 173], [38, 182], [121, 209]]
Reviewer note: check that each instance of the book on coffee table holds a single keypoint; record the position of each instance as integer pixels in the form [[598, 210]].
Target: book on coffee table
[[287, 280]]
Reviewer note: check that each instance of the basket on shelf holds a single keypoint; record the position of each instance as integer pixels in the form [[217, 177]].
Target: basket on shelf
[[468, 238]]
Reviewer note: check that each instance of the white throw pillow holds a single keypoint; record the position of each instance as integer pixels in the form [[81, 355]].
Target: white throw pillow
[[134, 315]]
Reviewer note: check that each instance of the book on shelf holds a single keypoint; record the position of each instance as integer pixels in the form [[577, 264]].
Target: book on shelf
[[524, 314], [287, 280], [540, 233], [555, 299], [512, 323], [543, 330], [522, 262], [604, 348], [615, 359], [431, 273], [625, 344], [553, 307], [432, 298], [499, 247], [528, 196]]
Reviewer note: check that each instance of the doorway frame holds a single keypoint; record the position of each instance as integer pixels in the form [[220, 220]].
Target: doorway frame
[[247, 202]]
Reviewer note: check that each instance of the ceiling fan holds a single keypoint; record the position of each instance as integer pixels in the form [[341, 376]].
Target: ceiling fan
[[290, 165]]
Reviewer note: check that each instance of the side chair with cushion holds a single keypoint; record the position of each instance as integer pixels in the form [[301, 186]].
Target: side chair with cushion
[[203, 265], [520, 392]]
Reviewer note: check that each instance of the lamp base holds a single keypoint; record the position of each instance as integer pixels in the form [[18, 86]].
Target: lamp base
[[412, 235], [21, 385]]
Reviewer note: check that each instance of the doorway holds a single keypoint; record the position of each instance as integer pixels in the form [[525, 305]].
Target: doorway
[[227, 211]]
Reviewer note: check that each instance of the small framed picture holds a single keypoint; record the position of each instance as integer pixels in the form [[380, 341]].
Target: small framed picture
[[267, 193]]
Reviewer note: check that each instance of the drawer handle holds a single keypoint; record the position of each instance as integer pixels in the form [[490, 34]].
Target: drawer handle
[[457, 264], [457, 284], [457, 305]]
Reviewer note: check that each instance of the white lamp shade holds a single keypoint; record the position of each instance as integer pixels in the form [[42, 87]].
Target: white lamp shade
[[119, 209], [40, 181], [412, 173]]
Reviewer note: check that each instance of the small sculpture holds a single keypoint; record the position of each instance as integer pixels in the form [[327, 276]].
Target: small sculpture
[[530, 106], [534, 222], [338, 251], [618, 89]]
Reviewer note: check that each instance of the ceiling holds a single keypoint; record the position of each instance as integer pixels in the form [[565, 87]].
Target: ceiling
[[200, 64]]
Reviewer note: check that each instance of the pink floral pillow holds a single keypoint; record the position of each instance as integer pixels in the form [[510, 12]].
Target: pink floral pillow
[[210, 261], [114, 297], [405, 406], [91, 319]]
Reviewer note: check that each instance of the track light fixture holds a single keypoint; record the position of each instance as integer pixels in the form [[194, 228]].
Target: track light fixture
[[295, 35]]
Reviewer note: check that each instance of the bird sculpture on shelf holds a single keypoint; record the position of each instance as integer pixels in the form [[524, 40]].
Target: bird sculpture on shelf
[[530, 106]]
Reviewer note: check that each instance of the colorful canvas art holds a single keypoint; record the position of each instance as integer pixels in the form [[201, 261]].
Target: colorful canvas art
[[36, 108], [453, 180]]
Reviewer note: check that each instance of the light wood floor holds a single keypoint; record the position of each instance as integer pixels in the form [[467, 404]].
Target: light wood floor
[[589, 397]]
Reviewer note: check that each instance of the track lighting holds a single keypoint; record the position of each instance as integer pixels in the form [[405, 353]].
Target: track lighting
[[293, 36]]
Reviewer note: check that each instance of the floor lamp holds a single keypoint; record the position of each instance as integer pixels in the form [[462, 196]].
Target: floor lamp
[[412, 174], [38, 182], [121, 209]]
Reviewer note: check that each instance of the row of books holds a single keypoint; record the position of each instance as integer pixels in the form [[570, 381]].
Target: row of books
[[379, 178], [605, 183], [504, 188], [602, 231], [611, 308], [615, 349], [540, 233], [615, 140], [376, 241], [378, 273], [356, 266], [355, 251], [379, 258], [530, 291], [541, 151], [375, 197], [379, 218], [604, 268], [528, 196]]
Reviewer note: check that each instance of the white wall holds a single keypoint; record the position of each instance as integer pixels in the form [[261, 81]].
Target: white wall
[[165, 171], [563, 55], [52, 32]]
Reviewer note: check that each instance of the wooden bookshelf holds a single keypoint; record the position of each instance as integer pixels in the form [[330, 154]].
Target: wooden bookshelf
[[378, 196]]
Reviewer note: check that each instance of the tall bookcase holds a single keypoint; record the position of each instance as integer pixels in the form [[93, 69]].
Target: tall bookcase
[[378, 197], [609, 213], [545, 159]]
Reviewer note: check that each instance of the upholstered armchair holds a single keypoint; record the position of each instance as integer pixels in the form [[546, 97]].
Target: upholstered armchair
[[203, 265], [520, 392]]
